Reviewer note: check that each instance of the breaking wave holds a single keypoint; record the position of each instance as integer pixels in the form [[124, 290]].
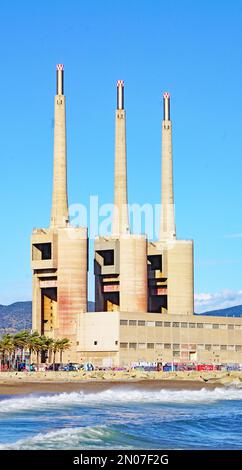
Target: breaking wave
[[89, 437], [117, 396]]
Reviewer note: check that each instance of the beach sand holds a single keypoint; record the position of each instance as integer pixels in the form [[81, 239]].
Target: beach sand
[[13, 383]]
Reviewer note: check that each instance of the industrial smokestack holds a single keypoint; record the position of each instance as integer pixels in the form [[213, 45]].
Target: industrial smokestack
[[167, 221], [59, 213], [60, 79], [120, 215]]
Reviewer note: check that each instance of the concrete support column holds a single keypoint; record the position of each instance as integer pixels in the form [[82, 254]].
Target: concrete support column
[[133, 273]]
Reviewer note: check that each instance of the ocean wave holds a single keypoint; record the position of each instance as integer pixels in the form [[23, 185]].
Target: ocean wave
[[89, 437], [117, 396]]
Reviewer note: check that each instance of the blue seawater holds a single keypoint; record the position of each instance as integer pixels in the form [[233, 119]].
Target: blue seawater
[[123, 418]]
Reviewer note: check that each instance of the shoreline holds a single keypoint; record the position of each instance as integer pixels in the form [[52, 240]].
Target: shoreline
[[17, 388], [15, 383]]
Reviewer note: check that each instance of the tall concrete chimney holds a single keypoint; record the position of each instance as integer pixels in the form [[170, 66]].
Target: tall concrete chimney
[[167, 222], [120, 215], [59, 213]]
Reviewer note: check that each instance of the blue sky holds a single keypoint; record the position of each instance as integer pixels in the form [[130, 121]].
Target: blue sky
[[191, 49]]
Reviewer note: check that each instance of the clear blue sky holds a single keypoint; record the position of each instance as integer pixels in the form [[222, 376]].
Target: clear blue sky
[[192, 49]]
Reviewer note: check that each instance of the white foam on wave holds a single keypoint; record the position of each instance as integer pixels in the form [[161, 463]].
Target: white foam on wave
[[117, 396], [68, 438]]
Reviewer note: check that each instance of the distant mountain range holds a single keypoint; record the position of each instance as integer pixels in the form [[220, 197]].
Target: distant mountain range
[[225, 312], [17, 316]]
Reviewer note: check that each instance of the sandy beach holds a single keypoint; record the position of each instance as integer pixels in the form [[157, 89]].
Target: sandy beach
[[56, 382]]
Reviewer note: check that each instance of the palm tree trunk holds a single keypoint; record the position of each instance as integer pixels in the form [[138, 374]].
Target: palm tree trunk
[[54, 360], [37, 361], [50, 356]]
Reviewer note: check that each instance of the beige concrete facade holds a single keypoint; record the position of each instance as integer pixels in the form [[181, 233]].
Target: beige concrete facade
[[147, 337], [59, 254], [133, 273]]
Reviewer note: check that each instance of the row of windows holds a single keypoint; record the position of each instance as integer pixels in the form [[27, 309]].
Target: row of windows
[[168, 324], [186, 347]]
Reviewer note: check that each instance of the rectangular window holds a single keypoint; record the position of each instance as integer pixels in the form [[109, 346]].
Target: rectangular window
[[159, 346], [215, 326], [199, 325], [230, 327], [167, 324], [150, 323], [237, 327], [200, 347], [176, 346], [150, 345], [184, 325], [192, 325], [223, 326], [231, 347], [141, 323], [132, 345], [132, 323], [95, 343], [208, 347], [216, 347], [116, 343], [176, 353], [223, 347], [167, 346], [123, 345], [238, 348], [141, 345], [41, 251], [158, 323], [175, 324], [123, 322], [208, 326]]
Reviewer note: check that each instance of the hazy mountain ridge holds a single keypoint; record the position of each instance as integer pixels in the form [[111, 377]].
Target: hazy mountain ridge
[[235, 311], [17, 316]]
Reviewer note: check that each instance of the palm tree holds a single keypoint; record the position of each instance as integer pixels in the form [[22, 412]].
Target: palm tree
[[48, 344], [31, 344], [55, 349], [6, 346], [20, 341], [64, 344], [38, 347]]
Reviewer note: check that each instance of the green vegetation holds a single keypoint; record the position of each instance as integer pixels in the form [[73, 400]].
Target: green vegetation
[[15, 348]]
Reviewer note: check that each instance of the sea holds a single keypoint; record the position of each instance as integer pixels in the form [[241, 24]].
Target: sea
[[125, 417]]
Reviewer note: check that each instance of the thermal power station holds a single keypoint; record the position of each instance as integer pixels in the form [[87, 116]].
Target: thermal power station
[[59, 253], [144, 289]]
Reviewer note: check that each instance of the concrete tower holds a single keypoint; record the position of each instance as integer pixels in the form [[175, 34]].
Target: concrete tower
[[59, 213], [170, 261], [167, 223], [59, 253], [120, 216], [120, 264]]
